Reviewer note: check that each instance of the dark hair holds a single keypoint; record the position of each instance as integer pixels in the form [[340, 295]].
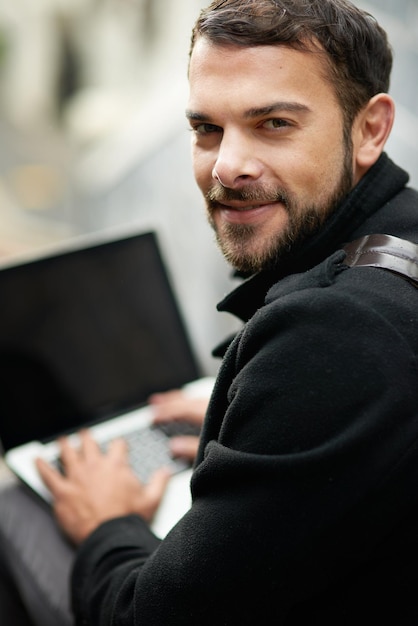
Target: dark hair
[[358, 54]]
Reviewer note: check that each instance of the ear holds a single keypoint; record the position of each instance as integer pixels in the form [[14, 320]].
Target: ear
[[371, 130]]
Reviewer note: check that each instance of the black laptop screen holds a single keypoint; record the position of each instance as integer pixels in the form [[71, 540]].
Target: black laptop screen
[[87, 334]]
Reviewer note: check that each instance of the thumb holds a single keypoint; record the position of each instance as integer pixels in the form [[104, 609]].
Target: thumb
[[155, 490]]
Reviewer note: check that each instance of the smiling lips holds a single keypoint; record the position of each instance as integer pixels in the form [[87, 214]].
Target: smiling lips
[[246, 214]]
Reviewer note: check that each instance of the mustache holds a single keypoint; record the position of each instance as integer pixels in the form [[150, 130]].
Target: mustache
[[254, 194]]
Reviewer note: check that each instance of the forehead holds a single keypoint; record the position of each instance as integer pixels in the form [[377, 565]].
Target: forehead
[[227, 73]]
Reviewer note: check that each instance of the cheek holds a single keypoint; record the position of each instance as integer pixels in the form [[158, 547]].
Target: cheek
[[317, 168], [300, 173], [202, 169]]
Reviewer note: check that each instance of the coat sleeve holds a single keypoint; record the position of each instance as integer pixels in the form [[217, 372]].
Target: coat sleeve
[[307, 467]]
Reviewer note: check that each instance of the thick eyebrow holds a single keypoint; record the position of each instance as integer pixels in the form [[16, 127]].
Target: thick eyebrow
[[269, 109], [277, 107], [196, 116]]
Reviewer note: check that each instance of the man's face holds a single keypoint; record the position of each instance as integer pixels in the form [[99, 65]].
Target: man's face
[[268, 148]]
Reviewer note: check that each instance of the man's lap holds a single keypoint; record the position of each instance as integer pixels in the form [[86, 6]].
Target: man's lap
[[35, 554]]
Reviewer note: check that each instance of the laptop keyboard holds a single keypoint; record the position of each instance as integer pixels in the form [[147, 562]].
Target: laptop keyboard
[[148, 448]]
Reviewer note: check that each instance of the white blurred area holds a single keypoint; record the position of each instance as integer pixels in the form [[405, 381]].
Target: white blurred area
[[93, 136]]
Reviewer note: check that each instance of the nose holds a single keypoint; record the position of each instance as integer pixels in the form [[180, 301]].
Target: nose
[[236, 163]]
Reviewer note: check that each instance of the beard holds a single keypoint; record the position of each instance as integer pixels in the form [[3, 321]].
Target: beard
[[240, 243]]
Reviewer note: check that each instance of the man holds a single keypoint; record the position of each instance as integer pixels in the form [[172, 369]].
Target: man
[[304, 490]]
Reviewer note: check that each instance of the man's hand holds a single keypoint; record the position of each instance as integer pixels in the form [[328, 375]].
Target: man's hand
[[97, 487], [178, 406]]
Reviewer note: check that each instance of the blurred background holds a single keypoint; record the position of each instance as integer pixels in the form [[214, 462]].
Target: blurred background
[[93, 137]]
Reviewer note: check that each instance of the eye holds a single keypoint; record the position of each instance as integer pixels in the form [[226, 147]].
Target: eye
[[206, 129], [276, 123]]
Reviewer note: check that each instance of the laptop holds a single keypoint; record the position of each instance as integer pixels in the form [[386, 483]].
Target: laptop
[[87, 334]]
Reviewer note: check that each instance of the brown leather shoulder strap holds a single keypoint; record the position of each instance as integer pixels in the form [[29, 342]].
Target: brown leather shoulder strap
[[385, 251]]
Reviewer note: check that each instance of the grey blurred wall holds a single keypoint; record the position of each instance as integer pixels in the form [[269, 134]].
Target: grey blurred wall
[[400, 19]]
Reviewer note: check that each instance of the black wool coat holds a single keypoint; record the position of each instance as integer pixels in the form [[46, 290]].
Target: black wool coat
[[305, 490]]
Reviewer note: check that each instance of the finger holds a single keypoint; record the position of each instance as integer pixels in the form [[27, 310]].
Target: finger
[[89, 446], [184, 447], [53, 480], [197, 408], [169, 406], [68, 453], [169, 411], [156, 488], [181, 408], [167, 396], [118, 450]]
